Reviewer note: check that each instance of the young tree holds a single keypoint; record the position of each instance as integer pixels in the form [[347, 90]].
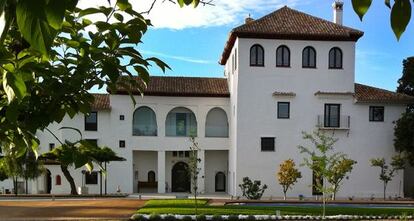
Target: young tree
[[288, 175], [194, 169], [252, 190], [387, 172], [338, 172], [322, 160]]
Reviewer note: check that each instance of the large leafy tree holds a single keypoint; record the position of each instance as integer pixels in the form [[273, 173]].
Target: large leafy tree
[[406, 82], [52, 53], [400, 14]]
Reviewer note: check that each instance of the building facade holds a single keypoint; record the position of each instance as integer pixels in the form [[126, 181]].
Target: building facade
[[285, 73]]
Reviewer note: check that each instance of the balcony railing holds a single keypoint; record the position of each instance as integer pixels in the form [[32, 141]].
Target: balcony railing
[[331, 123]]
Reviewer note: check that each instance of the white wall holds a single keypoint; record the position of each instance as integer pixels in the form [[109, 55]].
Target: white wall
[[256, 116]]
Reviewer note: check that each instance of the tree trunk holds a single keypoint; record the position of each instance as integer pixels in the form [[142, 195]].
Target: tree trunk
[[385, 189], [335, 187], [69, 177], [105, 178], [100, 182], [27, 187], [284, 195], [15, 185]]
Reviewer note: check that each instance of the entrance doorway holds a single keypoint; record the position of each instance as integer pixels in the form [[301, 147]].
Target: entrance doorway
[[180, 178], [220, 182], [48, 181]]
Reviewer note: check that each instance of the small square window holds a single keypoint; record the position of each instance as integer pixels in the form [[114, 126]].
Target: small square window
[[268, 144], [283, 109], [91, 178], [187, 153], [174, 153], [376, 113], [121, 117], [122, 143], [51, 146]]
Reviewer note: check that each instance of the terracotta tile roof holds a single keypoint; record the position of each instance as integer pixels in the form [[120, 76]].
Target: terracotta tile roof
[[287, 23], [101, 102], [183, 87], [368, 94]]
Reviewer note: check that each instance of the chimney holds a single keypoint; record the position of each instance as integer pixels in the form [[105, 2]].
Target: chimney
[[248, 20], [338, 11]]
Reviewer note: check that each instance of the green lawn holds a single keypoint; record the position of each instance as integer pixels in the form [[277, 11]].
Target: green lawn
[[186, 207]]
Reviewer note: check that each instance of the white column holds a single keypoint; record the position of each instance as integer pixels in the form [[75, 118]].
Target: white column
[[201, 174], [161, 171]]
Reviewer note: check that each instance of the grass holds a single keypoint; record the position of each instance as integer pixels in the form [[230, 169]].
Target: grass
[[186, 207]]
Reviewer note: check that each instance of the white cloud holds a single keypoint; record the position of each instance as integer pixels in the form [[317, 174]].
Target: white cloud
[[168, 15], [175, 57]]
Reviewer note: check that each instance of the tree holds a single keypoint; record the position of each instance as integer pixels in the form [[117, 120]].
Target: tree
[[50, 44], [12, 168], [323, 162], [193, 169], [32, 168], [104, 156], [252, 190], [288, 175], [387, 172], [338, 172], [406, 82], [400, 13], [404, 136]]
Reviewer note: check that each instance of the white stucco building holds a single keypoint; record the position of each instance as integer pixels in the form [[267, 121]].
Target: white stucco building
[[285, 73]]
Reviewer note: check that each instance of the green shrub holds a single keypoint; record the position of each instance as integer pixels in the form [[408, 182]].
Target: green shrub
[[169, 218], [155, 217], [201, 218], [187, 218], [250, 218], [139, 218], [217, 218], [252, 190], [233, 218]]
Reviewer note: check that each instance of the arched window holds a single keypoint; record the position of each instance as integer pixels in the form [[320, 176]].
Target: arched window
[[144, 122], [282, 56], [181, 122], [220, 181], [58, 180], [216, 123], [309, 57], [335, 58], [256, 55], [151, 177]]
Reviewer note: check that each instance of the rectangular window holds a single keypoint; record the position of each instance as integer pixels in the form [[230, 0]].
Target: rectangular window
[[187, 154], [283, 110], [121, 117], [91, 121], [93, 141], [122, 144], [181, 124], [51, 146], [180, 154], [268, 144], [91, 178], [174, 153], [376, 113], [332, 115]]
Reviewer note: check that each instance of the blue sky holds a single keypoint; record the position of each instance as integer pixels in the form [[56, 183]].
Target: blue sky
[[192, 45]]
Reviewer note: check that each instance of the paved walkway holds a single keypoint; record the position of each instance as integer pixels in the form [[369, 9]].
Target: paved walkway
[[69, 209]]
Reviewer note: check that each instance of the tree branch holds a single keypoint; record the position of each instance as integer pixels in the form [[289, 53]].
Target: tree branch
[[203, 2]]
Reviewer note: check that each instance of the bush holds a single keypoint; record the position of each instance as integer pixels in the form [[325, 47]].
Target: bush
[[251, 218], [252, 190], [155, 217], [187, 218], [233, 218], [201, 218], [169, 218], [139, 218], [217, 218]]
